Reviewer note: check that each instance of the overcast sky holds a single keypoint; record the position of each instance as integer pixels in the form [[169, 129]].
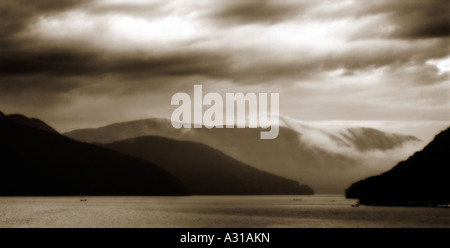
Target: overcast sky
[[81, 64]]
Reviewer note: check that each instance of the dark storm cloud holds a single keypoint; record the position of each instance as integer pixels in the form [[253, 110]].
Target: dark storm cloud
[[54, 61], [38, 84], [360, 57], [419, 19], [60, 70], [24, 57], [148, 10], [413, 19], [16, 14], [369, 55], [241, 65], [72, 62], [431, 21], [229, 13], [95, 59]]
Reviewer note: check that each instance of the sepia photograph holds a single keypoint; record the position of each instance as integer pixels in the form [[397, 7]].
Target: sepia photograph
[[201, 114]]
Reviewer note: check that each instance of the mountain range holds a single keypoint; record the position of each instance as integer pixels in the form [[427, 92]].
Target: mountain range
[[36, 160], [420, 180], [126, 160], [327, 160], [206, 171]]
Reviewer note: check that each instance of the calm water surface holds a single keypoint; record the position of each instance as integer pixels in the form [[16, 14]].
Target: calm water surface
[[211, 211]]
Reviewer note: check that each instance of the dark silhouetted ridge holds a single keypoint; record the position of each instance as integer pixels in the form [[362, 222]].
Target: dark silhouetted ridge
[[422, 179], [206, 171], [38, 162], [29, 122]]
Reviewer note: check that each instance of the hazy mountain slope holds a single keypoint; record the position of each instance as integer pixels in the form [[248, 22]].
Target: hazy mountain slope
[[205, 170], [327, 160], [365, 139], [422, 179], [37, 162], [125, 130]]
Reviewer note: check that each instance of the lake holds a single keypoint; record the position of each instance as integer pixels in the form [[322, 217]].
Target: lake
[[332, 211]]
